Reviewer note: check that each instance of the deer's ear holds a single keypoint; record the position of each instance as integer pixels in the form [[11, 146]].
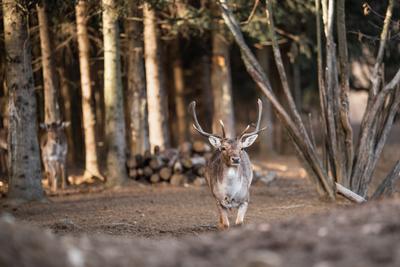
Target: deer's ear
[[65, 124], [249, 140], [43, 126], [215, 141]]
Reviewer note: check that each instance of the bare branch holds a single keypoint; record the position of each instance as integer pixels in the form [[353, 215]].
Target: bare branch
[[394, 82], [371, 142], [376, 78], [349, 194], [253, 11], [387, 185], [321, 84], [311, 130], [279, 63], [299, 137], [344, 128], [330, 95]]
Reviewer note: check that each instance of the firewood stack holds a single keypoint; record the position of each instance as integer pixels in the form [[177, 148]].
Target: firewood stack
[[185, 165]]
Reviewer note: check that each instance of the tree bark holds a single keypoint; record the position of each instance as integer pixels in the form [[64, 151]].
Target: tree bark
[[137, 102], [346, 131], [221, 82], [24, 157], [67, 100], [267, 144], [88, 112], [207, 101], [343, 126], [156, 94], [180, 6], [179, 86], [364, 162], [51, 106], [114, 109], [388, 184], [297, 84]]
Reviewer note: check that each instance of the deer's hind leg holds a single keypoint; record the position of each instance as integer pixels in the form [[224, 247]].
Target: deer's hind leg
[[223, 217], [52, 177], [241, 213], [63, 175]]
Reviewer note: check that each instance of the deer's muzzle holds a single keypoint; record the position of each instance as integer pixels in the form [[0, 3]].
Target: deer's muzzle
[[235, 160]]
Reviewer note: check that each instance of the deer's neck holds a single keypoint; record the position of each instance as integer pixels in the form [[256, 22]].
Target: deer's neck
[[230, 173]]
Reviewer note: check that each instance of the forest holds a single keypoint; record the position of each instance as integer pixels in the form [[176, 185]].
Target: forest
[[169, 132]]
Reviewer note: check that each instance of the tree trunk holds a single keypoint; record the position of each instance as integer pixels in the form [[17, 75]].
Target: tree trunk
[[24, 157], [221, 83], [67, 112], [114, 109], [179, 86], [345, 131], [297, 94], [267, 144], [156, 94], [89, 118], [137, 102], [207, 89], [51, 106], [181, 9]]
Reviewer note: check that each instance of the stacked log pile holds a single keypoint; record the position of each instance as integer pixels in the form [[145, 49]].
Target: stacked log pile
[[185, 165]]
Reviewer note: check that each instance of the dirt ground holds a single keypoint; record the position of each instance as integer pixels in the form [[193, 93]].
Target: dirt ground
[[143, 225], [159, 211], [287, 225], [362, 236]]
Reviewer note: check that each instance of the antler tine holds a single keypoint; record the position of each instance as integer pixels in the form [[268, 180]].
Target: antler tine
[[257, 129], [223, 128], [244, 131], [196, 124]]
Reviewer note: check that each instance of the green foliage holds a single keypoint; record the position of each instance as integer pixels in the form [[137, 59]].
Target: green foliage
[[194, 22], [292, 19]]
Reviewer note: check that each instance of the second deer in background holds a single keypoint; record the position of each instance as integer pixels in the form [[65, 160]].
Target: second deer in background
[[54, 147]]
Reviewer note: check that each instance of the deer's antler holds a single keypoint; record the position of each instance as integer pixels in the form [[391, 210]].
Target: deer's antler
[[196, 124], [257, 129], [223, 128]]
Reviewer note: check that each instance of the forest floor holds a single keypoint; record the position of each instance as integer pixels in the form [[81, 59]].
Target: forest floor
[[289, 205], [158, 211]]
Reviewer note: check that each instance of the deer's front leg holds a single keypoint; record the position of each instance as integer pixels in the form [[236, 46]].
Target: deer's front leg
[[223, 217], [241, 213], [63, 176], [53, 178]]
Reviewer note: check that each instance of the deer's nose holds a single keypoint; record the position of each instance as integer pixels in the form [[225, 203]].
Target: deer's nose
[[228, 199], [235, 160]]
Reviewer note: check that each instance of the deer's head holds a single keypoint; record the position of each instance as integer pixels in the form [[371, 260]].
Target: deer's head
[[230, 148], [54, 129]]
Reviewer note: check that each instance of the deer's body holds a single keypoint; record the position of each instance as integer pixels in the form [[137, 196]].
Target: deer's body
[[229, 171], [229, 184], [54, 148]]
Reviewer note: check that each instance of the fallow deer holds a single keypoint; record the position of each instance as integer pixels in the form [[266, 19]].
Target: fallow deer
[[54, 147], [229, 171]]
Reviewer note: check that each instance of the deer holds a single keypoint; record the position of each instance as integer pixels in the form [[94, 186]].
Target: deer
[[54, 148], [229, 172]]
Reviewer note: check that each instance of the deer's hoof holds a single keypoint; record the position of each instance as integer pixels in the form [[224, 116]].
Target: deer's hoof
[[223, 227], [239, 224]]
